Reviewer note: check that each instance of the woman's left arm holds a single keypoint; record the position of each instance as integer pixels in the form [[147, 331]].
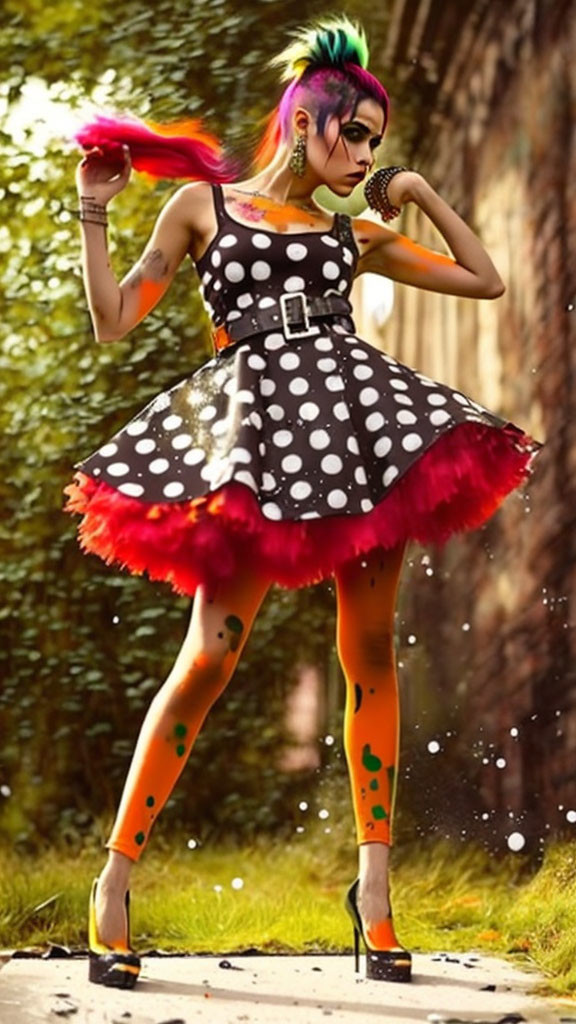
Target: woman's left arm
[[471, 273]]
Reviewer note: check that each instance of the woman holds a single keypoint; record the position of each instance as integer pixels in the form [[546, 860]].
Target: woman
[[298, 452]]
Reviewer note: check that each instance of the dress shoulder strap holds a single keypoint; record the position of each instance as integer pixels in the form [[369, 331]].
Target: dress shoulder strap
[[345, 234], [218, 197]]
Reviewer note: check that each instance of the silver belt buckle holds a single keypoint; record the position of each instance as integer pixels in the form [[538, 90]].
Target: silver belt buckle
[[290, 331]]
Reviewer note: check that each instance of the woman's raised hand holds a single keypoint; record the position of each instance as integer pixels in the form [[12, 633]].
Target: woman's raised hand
[[103, 172]]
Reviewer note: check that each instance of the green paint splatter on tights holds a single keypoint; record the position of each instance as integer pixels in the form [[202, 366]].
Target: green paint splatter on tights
[[374, 784], [139, 838], [378, 812], [150, 801], [370, 761], [236, 627]]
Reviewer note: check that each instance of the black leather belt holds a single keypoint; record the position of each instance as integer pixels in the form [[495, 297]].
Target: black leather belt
[[294, 315]]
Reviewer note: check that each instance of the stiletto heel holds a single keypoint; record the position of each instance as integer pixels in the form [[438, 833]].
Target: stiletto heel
[[394, 964], [115, 968]]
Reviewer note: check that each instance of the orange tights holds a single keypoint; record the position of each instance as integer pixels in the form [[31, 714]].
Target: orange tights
[[219, 627]]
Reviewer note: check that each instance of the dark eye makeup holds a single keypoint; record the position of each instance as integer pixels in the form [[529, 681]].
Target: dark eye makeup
[[355, 131]]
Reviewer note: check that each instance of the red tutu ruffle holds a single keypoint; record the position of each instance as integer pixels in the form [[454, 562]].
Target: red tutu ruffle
[[455, 485]]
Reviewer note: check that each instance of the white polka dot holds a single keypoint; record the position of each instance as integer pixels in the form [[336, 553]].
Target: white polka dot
[[229, 387], [352, 446], [298, 386], [357, 353], [330, 270], [261, 241], [207, 413], [301, 489], [181, 441], [294, 284], [363, 372], [360, 475], [145, 446], [118, 469], [271, 511], [219, 428], [173, 489], [368, 396], [206, 278], [260, 270], [282, 438], [216, 258], [436, 399], [234, 272], [244, 397], [138, 427], [334, 383], [311, 514], [411, 442], [319, 439], [220, 376], [96, 472], [337, 499], [132, 490], [331, 464], [262, 449], [366, 505], [327, 365], [374, 421], [244, 300], [291, 463], [108, 450], [266, 302], [227, 241], [382, 446], [340, 411], [268, 482], [342, 285], [274, 341], [289, 361], [389, 475], [217, 286], [255, 362], [399, 385], [158, 465], [256, 420], [295, 251], [267, 387], [172, 422], [439, 417], [240, 455], [194, 456], [459, 398], [246, 478], [406, 417], [323, 345], [276, 412], [308, 410], [234, 314], [403, 399], [329, 240], [347, 256]]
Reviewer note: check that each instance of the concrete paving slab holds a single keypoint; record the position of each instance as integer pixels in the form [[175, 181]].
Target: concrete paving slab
[[446, 989]]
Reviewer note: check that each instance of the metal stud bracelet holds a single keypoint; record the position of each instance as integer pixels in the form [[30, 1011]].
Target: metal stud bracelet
[[376, 192]]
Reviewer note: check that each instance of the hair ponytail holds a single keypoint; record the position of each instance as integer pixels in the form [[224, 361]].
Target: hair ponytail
[[182, 149]]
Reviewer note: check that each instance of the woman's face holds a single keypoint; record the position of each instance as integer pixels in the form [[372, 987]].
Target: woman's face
[[345, 154]]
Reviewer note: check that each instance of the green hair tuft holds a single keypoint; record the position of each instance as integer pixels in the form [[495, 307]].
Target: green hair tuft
[[332, 42]]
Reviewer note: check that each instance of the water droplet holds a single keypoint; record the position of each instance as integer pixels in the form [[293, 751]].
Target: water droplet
[[191, 844], [237, 883], [323, 814], [571, 816], [411, 639], [516, 841], [303, 805], [115, 619], [433, 747], [300, 828], [5, 791], [500, 762], [327, 831], [217, 888], [425, 560], [429, 572], [329, 741], [514, 731], [465, 627]]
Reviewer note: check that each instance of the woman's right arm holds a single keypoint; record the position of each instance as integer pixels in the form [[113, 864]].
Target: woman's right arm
[[115, 308]]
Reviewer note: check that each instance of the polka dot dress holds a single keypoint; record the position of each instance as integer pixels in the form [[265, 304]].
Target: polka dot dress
[[314, 427]]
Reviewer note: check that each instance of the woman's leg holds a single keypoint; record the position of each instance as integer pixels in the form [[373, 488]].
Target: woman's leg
[[366, 590], [219, 627]]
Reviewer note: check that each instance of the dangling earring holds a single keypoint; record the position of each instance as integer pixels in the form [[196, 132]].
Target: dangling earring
[[297, 162]]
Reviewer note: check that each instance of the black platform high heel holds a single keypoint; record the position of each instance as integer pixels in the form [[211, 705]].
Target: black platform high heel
[[116, 968], [394, 964]]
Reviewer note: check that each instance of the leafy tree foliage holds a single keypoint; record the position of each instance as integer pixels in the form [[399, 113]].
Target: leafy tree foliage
[[82, 647]]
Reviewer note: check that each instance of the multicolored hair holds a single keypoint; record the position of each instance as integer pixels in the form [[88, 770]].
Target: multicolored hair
[[326, 67], [327, 70]]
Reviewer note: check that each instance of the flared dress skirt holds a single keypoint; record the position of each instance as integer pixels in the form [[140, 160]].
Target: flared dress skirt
[[290, 455]]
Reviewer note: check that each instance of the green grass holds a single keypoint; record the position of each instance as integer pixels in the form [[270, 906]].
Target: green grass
[[446, 897]]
